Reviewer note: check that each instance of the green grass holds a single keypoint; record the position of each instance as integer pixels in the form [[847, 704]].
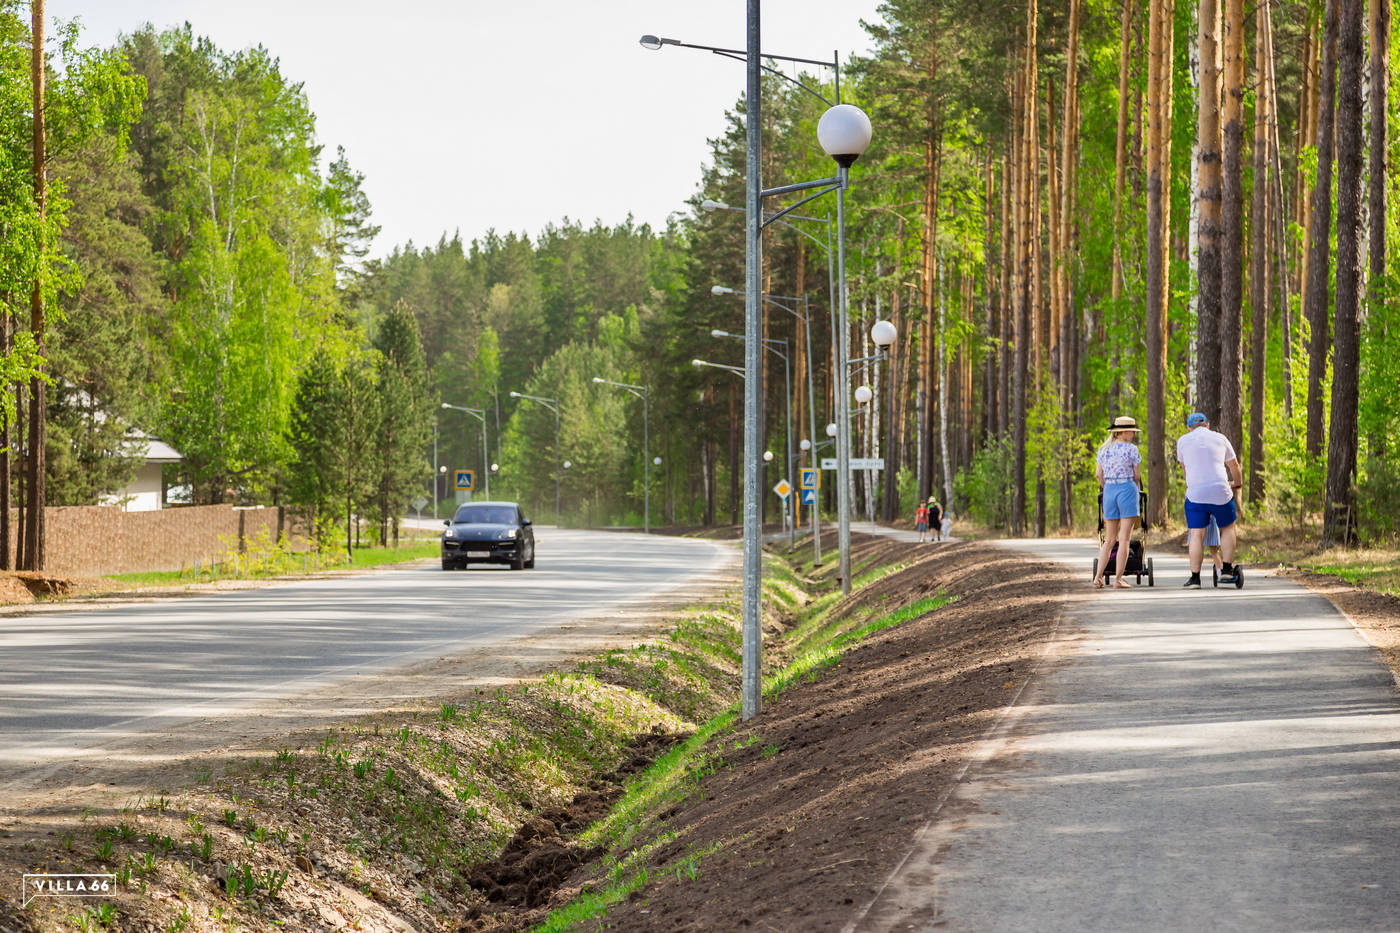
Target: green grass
[[1374, 571], [825, 646], [288, 563]]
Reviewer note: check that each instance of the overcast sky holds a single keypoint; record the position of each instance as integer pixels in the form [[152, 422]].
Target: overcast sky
[[470, 115]]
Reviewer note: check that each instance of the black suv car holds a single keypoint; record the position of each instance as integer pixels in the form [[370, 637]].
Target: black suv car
[[488, 533]]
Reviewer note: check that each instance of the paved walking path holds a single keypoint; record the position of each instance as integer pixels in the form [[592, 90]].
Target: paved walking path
[[899, 534], [1204, 760]]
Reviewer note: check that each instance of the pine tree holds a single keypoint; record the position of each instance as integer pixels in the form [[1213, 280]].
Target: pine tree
[[405, 417]]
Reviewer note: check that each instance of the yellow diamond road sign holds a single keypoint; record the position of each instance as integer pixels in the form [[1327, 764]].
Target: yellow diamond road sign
[[783, 488]]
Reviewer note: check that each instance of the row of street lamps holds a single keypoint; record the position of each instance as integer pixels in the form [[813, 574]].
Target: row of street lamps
[[844, 133], [552, 404]]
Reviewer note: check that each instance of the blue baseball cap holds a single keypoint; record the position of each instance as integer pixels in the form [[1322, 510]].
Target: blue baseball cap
[[1195, 419]]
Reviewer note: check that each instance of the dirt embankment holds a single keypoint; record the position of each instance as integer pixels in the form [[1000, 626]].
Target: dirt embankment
[[802, 812], [814, 812]]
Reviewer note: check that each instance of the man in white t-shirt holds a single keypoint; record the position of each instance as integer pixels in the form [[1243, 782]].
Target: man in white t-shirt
[[1212, 476]]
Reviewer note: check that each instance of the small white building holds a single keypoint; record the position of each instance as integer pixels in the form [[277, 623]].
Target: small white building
[[146, 492]]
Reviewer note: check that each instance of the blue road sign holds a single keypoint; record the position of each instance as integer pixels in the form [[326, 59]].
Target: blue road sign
[[811, 478], [809, 497], [466, 479]]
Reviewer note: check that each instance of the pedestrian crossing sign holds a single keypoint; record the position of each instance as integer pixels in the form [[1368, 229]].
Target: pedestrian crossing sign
[[811, 478], [809, 497], [466, 479]]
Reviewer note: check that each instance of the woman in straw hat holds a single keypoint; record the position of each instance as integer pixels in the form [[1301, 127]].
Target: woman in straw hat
[[1117, 467]]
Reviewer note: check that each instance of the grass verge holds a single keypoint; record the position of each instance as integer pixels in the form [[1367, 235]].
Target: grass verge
[[263, 565]]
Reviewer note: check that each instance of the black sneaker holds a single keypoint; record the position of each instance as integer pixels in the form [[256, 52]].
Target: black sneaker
[[1194, 583]]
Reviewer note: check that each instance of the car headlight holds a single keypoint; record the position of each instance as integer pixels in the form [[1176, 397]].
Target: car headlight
[[449, 533], [508, 534]]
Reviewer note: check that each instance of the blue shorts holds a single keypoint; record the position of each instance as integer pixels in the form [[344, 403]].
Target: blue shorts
[[1198, 514], [1120, 500]]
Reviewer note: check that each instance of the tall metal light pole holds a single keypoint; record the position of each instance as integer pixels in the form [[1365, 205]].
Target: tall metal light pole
[[844, 133], [553, 405], [480, 414], [641, 392]]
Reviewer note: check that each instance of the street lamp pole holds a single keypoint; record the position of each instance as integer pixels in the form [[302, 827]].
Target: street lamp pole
[[642, 392], [786, 355], [752, 677], [805, 316], [553, 405], [480, 414], [844, 133]]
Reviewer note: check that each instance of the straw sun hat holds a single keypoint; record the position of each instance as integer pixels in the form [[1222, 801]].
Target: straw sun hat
[[1123, 423]]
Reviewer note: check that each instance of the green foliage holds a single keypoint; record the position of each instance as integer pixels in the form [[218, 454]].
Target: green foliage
[[985, 487], [404, 423], [90, 95]]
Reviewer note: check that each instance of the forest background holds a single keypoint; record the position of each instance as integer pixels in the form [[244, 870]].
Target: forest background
[[1070, 211]]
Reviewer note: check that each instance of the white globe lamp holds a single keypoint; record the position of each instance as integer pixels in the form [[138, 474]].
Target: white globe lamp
[[864, 394], [883, 333], [844, 133]]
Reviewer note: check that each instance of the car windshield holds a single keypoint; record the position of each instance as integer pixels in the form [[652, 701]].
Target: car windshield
[[485, 515]]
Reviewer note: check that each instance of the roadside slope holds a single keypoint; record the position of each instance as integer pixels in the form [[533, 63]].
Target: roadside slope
[[811, 805]]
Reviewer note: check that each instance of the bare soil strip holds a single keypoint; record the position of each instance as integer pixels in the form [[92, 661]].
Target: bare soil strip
[[818, 799]]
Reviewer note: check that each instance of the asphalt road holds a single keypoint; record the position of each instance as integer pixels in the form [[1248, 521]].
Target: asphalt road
[[73, 679], [1203, 760]]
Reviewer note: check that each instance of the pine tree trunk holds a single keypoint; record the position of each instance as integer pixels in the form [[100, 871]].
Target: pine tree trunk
[[1315, 297], [1232, 230], [1338, 518], [1208, 155], [1006, 258], [1040, 307], [1306, 136], [22, 472], [1022, 314], [1160, 44], [1259, 255], [34, 530], [1120, 163], [989, 300], [1379, 99], [930, 232], [7, 529], [1279, 231]]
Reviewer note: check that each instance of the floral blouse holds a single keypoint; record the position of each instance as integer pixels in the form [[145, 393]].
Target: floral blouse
[[1118, 459]]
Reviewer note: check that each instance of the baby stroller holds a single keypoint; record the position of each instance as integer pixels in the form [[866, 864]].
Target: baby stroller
[[1139, 564]]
